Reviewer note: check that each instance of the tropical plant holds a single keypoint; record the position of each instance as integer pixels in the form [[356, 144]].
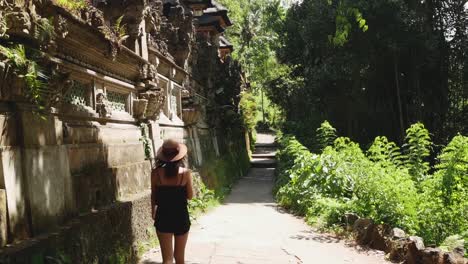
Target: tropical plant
[[384, 152], [417, 149], [116, 33], [72, 5], [445, 194], [28, 70], [325, 135]]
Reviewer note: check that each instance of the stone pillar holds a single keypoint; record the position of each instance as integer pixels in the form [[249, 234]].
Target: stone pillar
[[3, 218]]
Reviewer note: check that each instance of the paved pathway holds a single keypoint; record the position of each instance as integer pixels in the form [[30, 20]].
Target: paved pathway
[[249, 228]]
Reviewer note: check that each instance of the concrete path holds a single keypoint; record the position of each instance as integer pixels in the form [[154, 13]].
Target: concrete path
[[249, 228]]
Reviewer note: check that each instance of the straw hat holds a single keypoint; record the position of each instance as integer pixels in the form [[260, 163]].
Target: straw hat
[[171, 151]]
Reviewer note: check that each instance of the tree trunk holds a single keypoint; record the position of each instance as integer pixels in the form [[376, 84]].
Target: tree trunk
[[398, 93]]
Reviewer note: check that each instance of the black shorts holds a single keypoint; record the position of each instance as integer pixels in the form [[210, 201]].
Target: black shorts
[[176, 233]]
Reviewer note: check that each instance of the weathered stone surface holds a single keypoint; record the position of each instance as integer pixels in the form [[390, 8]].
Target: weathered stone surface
[[11, 178], [363, 230], [139, 108], [398, 233], [379, 237], [398, 249], [50, 186], [431, 255], [3, 218], [455, 257], [132, 179], [87, 238], [414, 248]]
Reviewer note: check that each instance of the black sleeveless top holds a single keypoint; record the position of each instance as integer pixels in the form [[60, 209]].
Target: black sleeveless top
[[172, 214]]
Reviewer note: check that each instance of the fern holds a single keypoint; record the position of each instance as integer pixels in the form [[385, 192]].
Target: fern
[[385, 152], [26, 69], [417, 149], [72, 5], [325, 136], [117, 32]]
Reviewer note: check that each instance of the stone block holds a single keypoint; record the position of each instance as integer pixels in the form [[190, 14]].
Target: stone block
[[132, 179], [398, 249], [11, 178], [414, 250], [77, 133], [398, 233], [86, 239], [362, 229], [94, 188], [39, 130], [119, 134], [50, 187], [3, 218], [9, 135], [431, 255], [85, 157], [124, 154], [379, 237]]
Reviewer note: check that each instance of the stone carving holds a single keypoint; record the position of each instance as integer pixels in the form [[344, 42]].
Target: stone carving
[[148, 72], [153, 15], [60, 26], [59, 84], [102, 106], [156, 100], [179, 33], [18, 21], [93, 16], [139, 108]]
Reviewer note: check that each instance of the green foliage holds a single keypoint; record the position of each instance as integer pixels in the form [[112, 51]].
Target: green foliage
[[146, 141], [72, 5], [117, 32], [445, 194], [27, 69], [342, 179], [325, 135], [248, 109], [204, 199], [385, 152], [387, 195], [417, 149], [452, 242], [359, 69]]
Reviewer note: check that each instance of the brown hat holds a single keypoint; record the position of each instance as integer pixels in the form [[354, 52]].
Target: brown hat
[[171, 151]]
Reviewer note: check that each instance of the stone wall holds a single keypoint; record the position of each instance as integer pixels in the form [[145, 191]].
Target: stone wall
[[74, 167]]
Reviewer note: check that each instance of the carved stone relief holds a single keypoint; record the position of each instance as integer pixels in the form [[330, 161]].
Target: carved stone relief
[[102, 106], [156, 100]]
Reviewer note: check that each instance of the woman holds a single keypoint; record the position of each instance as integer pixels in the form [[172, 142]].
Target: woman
[[171, 187]]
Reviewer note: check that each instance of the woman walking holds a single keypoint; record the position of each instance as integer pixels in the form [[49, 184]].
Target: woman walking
[[171, 187]]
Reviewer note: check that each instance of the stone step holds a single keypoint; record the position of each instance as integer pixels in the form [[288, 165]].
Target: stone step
[[266, 145], [264, 155], [263, 163]]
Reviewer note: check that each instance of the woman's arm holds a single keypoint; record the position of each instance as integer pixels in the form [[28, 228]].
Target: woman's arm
[[154, 183], [189, 185]]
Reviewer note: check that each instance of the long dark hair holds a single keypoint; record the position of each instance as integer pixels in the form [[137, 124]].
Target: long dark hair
[[171, 169]]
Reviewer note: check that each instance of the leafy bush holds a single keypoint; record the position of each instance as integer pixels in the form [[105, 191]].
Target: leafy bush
[[379, 185], [417, 148], [387, 195], [385, 152], [325, 136], [444, 203], [248, 108]]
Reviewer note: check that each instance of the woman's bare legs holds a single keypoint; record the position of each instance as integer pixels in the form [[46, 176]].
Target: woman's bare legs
[[179, 249], [165, 242]]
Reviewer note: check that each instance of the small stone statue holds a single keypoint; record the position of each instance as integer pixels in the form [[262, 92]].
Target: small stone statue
[[102, 106]]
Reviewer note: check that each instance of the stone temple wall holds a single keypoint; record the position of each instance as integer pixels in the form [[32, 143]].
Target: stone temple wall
[[75, 172]]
